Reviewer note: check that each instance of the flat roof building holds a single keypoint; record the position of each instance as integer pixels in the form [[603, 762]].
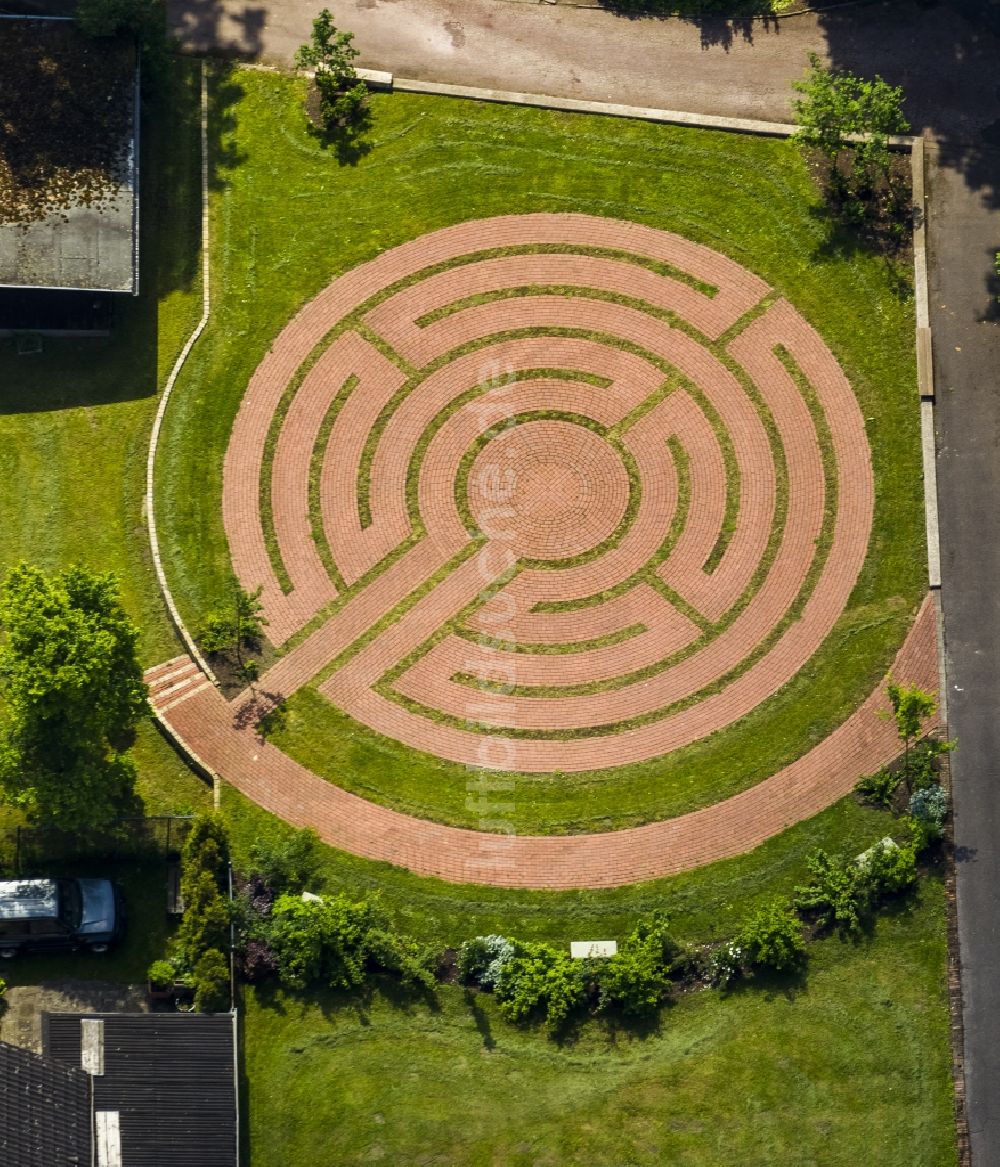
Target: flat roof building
[[69, 158]]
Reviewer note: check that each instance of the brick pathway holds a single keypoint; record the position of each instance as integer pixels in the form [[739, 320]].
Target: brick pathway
[[205, 723], [548, 432], [583, 511]]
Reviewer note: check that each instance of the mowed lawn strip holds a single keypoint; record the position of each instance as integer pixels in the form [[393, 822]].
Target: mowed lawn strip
[[704, 904], [851, 1066], [287, 219]]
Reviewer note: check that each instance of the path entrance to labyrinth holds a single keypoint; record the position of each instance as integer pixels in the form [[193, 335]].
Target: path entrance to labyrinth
[[548, 492]]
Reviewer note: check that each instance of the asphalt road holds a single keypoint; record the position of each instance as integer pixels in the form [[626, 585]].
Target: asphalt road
[[947, 57], [964, 229]]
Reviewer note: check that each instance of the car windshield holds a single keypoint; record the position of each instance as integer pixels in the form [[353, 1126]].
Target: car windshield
[[70, 903]]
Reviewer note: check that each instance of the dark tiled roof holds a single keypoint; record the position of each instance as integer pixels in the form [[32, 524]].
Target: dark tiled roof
[[44, 1112], [171, 1078]]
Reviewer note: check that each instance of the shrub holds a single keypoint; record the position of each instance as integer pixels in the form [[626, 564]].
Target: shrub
[[211, 982], [727, 963], [217, 634], [205, 921], [928, 810], [635, 979], [772, 938], [402, 955], [540, 980], [843, 892], [240, 625], [879, 788], [834, 894], [481, 961], [258, 960], [924, 766], [886, 869], [287, 862], [161, 974], [322, 940]]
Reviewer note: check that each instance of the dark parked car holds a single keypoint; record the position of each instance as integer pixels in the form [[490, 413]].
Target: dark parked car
[[37, 915]]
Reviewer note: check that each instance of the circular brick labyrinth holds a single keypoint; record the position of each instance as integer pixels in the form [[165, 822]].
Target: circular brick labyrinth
[[548, 493]]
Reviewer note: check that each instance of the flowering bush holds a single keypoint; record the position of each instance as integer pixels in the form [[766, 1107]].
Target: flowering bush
[[843, 892], [929, 810], [288, 862], [727, 963], [481, 961], [886, 868]]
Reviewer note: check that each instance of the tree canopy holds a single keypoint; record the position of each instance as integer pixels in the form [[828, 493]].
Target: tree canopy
[[71, 692], [837, 106]]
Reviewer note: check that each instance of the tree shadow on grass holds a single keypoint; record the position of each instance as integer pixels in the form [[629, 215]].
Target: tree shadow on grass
[[347, 143], [406, 999], [480, 1019], [771, 984]]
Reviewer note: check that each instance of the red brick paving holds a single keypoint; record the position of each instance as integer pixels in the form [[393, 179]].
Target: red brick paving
[[270, 778], [543, 488]]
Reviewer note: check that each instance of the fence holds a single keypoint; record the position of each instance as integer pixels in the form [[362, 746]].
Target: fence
[[25, 848]]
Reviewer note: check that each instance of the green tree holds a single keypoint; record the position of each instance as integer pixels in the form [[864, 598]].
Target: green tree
[[71, 693], [910, 707], [835, 106], [240, 625], [331, 54]]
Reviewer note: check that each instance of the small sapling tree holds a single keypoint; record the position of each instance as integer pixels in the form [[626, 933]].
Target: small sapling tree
[[839, 110], [910, 707], [330, 53]]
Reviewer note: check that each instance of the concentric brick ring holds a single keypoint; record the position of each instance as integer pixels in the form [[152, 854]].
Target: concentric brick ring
[[548, 492]]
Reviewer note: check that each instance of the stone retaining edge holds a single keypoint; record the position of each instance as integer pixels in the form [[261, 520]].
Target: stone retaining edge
[[925, 365], [206, 303], [608, 109]]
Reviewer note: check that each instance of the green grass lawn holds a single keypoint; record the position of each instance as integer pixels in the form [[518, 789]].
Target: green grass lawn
[[850, 1067], [287, 218], [707, 903]]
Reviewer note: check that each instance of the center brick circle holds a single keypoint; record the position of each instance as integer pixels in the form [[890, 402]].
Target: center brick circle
[[673, 555], [549, 490]]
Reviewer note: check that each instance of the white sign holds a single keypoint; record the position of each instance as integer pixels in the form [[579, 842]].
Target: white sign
[[587, 949]]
